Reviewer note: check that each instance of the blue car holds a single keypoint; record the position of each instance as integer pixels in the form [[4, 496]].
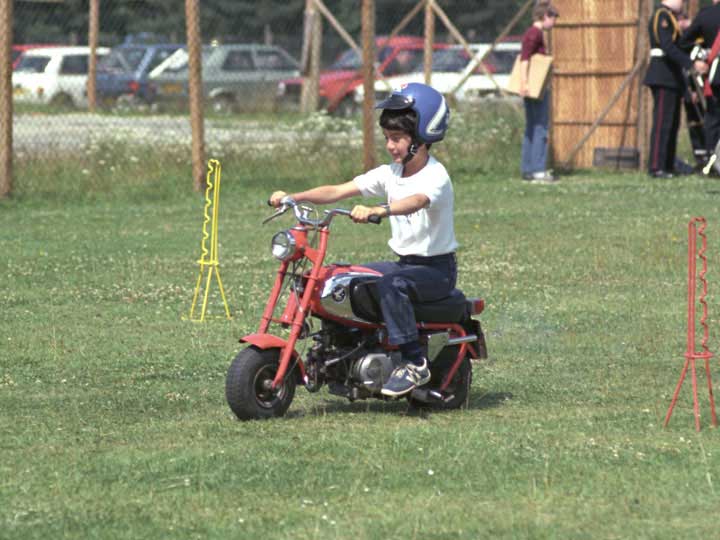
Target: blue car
[[122, 77]]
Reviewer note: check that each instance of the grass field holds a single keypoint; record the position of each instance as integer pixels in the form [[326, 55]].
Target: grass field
[[113, 421]]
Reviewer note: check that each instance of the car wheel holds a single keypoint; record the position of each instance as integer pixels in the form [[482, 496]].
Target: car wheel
[[221, 104], [347, 108], [62, 101]]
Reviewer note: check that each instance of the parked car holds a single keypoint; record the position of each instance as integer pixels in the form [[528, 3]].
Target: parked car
[[395, 56], [122, 76], [452, 65], [234, 76], [18, 50], [53, 75]]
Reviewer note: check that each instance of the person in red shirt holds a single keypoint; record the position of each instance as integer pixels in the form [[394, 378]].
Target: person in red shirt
[[537, 111]]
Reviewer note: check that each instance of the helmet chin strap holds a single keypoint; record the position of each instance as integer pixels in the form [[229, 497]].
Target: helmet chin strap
[[412, 151]]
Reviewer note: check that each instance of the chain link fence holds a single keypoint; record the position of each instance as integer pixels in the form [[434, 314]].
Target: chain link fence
[[107, 82]]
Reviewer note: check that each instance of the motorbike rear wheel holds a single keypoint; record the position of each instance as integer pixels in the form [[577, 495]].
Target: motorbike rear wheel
[[459, 387], [247, 385]]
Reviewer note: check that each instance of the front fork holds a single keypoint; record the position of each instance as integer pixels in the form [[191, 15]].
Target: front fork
[[296, 326]]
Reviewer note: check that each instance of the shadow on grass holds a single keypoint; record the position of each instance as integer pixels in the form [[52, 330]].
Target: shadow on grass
[[329, 406]]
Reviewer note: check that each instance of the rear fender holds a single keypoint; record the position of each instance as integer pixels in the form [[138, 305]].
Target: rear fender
[[268, 341]]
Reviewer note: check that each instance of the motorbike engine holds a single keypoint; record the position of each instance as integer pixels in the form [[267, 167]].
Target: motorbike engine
[[373, 369]]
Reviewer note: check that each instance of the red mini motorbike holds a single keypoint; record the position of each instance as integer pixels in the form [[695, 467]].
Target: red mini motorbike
[[334, 334]]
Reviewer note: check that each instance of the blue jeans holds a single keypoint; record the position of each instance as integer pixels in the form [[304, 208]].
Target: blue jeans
[[412, 278], [535, 141]]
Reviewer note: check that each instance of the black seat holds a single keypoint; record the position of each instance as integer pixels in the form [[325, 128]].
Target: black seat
[[450, 309], [365, 302]]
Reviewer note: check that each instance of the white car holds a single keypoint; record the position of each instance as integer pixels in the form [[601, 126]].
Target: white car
[[453, 65], [53, 75]]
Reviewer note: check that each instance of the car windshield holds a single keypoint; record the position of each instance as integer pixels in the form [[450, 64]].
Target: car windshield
[[159, 57], [15, 55], [502, 61], [33, 64], [448, 60], [273, 60], [178, 61], [350, 59], [457, 59], [123, 60]]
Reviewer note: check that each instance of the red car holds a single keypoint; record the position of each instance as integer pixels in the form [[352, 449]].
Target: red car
[[18, 50], [395, 56]]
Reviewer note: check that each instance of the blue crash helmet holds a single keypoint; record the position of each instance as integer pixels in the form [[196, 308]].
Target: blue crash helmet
[[433, 114]]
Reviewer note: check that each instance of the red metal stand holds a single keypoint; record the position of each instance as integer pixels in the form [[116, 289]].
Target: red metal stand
[[691, 355]]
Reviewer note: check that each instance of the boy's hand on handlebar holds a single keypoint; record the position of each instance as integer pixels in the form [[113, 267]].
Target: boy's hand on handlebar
[[276, 198], [362, 214]]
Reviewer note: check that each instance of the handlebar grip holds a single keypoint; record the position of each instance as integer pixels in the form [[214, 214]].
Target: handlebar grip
[[375, 220]]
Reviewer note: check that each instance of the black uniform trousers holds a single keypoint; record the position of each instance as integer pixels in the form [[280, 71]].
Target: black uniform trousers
[[665, 125]]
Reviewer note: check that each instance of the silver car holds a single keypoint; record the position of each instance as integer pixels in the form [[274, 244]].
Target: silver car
[[234, 76]]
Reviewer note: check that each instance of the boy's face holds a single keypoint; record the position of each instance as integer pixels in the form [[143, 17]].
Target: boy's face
[[548, 22], [397, 143]]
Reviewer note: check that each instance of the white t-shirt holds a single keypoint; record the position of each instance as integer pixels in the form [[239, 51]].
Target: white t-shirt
[[427, 232]]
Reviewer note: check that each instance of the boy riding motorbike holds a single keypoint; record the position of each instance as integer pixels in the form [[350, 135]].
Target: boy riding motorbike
[[419, 203]]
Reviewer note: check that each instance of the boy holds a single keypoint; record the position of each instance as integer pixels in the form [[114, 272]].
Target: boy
[[420, 207], [537, 111]]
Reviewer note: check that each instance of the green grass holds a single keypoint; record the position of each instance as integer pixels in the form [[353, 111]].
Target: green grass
[[113, 421]]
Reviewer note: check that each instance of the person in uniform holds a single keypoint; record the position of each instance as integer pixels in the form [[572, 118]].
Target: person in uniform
[[667, 83], [704, 29], [695, 105]]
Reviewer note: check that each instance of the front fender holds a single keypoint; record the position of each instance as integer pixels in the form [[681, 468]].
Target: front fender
[[266, 341]]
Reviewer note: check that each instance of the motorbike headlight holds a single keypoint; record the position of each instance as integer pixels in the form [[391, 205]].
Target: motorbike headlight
[[283, 245]]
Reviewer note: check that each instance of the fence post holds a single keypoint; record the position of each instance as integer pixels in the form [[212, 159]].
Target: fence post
[[6, 104], [644, 100], [93, 31], [368, 41], [311, 51], [429, 41], [192, 24]]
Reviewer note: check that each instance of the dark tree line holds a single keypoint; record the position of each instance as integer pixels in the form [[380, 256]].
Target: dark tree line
[[66, 21]]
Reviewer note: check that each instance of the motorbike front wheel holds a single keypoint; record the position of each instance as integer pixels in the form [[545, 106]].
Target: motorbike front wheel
[[248, 385]]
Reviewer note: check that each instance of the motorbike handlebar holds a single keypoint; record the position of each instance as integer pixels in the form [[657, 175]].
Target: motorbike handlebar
[[302, 214]]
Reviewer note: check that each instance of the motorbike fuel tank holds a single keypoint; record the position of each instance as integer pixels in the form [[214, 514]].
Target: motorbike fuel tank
[[336, 295]]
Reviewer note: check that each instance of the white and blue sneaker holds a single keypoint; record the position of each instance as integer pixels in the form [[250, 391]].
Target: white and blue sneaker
[[405, 378]]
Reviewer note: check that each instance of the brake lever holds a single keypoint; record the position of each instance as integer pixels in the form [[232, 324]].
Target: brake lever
[[279, 212]]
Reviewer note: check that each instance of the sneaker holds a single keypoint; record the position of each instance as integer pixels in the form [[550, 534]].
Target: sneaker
[[405, 378], [544, 177]]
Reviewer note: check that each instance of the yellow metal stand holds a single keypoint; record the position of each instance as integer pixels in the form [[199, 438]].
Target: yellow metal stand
[[210, 258]]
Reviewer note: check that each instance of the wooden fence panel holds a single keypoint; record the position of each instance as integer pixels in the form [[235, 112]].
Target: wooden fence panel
[[595, 47]]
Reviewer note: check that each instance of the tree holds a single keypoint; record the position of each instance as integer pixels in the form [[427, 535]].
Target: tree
[[244, 20]]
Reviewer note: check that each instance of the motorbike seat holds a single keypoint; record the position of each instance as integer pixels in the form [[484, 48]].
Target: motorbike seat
[[453, 308], [366, 304]]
